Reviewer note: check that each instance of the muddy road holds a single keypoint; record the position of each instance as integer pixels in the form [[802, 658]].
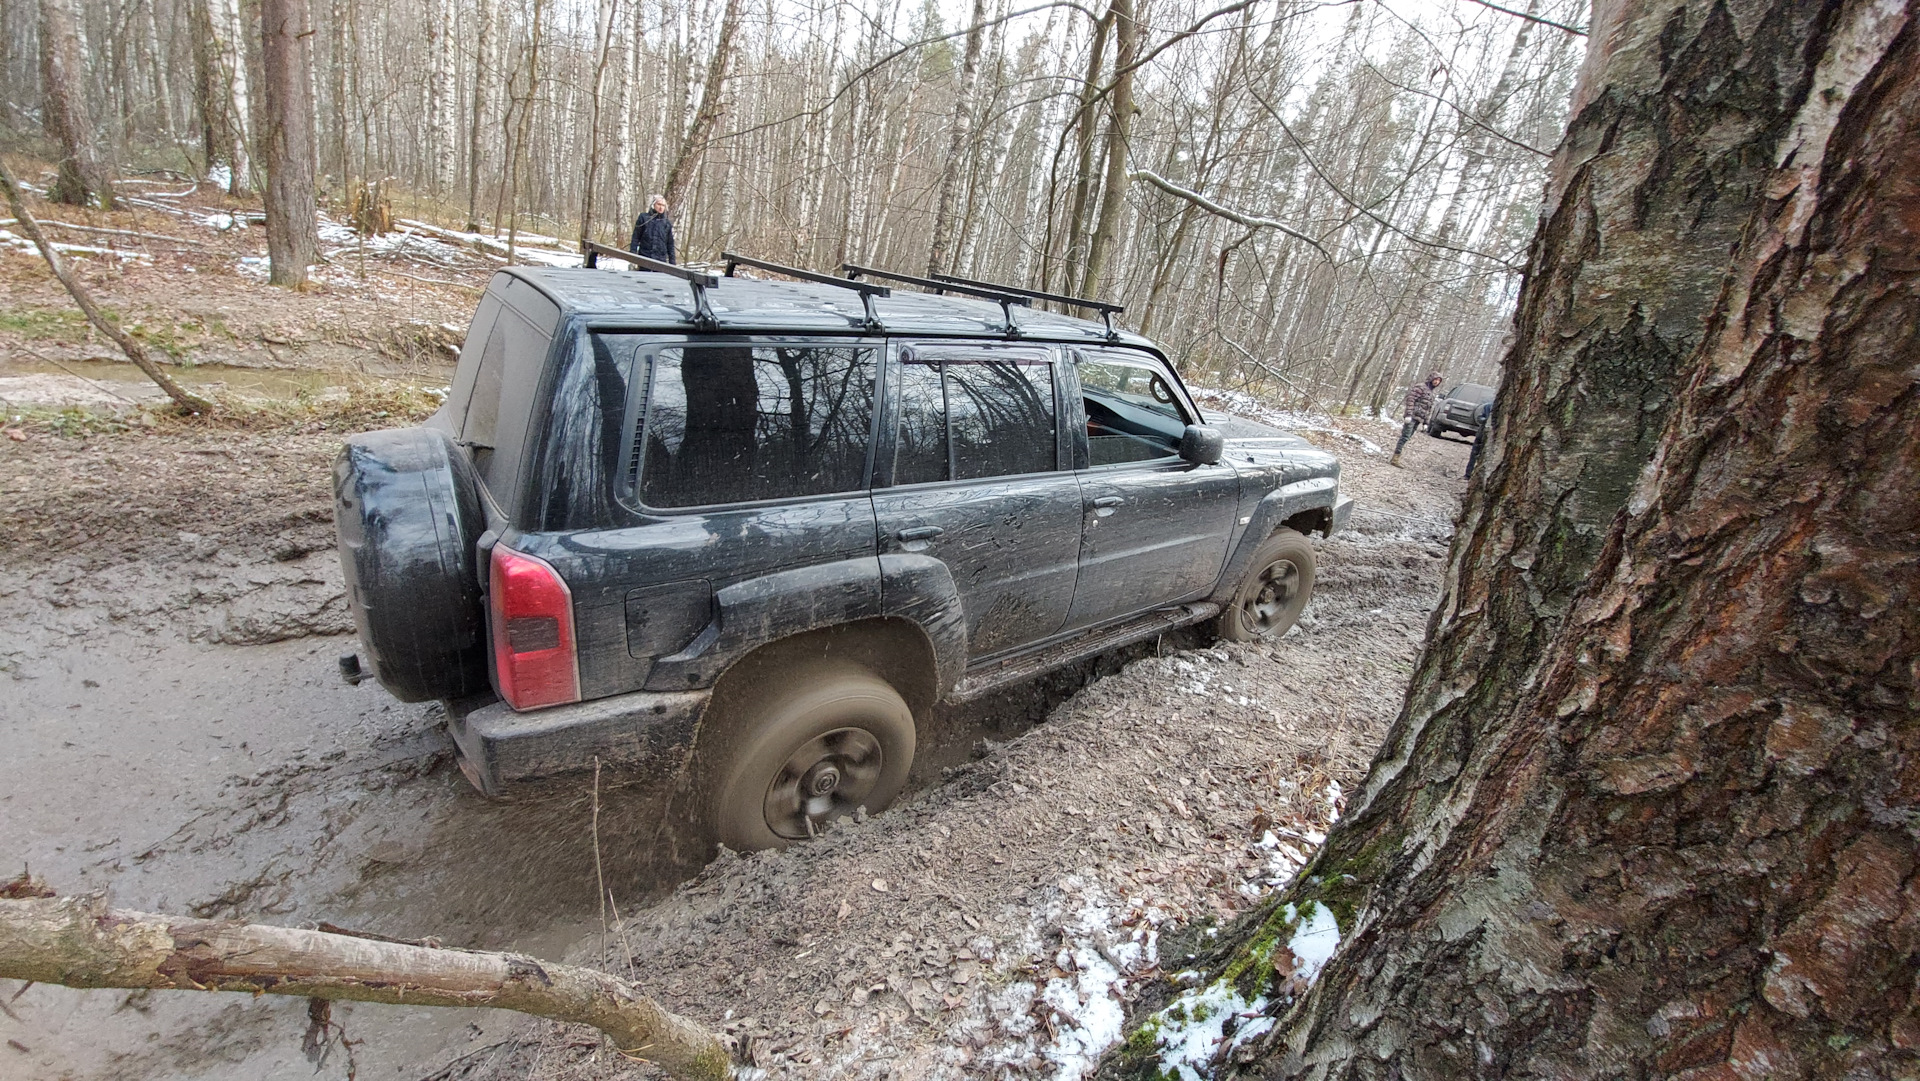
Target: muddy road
[[178, 736]]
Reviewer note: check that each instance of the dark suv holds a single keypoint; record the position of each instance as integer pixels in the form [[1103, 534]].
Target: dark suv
[[757, 534], [1458, 410]]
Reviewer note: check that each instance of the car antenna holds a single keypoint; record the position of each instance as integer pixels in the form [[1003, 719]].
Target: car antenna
[[867, 290], [1005, 298], [1107, 310], [699, 280]]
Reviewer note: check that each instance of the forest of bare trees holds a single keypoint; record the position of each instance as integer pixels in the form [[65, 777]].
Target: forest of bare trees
[[1319, 198]]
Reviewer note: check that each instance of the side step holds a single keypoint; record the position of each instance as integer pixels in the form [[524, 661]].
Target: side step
[[994, 675]]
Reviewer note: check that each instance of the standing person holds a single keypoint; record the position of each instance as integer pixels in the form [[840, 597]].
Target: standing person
[[1484, 418], [1419, 406], [653, 233]]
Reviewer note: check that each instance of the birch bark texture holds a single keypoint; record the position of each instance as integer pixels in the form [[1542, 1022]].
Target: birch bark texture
[[293, 241], [1688, 843]]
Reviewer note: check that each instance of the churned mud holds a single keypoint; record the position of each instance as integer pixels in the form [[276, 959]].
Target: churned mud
[[179, 737]]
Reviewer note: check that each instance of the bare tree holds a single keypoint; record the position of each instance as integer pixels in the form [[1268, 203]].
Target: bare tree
[[961, 130], [292, 242], [693, 145], [82, 179]]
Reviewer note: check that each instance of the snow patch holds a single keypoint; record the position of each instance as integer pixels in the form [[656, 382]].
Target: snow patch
[[1246, 405]]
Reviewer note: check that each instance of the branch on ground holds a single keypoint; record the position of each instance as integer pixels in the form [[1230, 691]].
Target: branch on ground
[[80, 942], [185, 399]]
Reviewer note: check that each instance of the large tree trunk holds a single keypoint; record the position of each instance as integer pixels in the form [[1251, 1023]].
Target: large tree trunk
[[693, 146], [293, 243], [1651, 806], [79, 942], [938, 254], [82, 180], [1113, 192]]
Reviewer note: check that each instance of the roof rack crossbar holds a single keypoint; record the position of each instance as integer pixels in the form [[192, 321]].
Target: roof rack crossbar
[[1007, 299], [1106, 309], [699, 280], [867, 290]]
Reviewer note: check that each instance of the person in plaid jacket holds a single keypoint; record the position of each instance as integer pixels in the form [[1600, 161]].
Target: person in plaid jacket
[[1419, 406]]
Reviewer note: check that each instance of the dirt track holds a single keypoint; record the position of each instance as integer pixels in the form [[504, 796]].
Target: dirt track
[[180, 739]]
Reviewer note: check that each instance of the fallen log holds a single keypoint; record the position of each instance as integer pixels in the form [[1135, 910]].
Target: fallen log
[[80, 942]]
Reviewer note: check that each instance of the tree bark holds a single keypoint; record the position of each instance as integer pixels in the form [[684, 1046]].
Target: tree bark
[[693, 146], [1113, 193], [293, 243], [1681, 841], [82, 179], [938, 254], [191, 403], [79, 942]]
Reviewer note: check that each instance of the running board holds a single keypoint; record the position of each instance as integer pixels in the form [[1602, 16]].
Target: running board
[[994, 675]]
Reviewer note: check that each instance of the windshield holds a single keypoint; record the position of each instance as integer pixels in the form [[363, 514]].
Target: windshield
[[1472, 392]]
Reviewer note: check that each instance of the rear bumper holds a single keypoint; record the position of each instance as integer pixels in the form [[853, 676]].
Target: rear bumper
[[503, 752]]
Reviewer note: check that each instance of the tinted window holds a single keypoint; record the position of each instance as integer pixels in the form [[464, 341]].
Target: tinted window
[[1472, 392], [1000, 418], [1133, 414], [586, 446], [966, 417], [733, 423], [920, 453]]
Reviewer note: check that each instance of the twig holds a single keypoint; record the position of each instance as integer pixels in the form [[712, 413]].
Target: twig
[[1532, 18], [187, 400], [599, 877]]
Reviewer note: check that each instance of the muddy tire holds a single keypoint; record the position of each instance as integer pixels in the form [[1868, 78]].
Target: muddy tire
[[806, 746], [1275, 592]]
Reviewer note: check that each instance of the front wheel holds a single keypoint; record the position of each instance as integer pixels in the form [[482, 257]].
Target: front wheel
[[1276, 590], [807, 747]]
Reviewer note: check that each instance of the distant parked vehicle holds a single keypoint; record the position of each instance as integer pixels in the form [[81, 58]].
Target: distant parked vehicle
[[1458, 410]]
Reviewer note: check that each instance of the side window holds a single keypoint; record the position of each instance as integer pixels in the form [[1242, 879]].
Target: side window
[[735, 423], [1000, 418], [1133, 413], [509, 369], [968, 417]]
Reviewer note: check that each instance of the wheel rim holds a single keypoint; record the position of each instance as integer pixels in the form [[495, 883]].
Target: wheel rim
[[828, 776], [1271, 596]]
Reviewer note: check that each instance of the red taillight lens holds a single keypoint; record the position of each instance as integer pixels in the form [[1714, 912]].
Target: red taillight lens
[[533, 654]]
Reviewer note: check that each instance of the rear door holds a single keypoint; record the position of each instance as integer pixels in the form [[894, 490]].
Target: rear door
[[981, 479], [1156, 526]]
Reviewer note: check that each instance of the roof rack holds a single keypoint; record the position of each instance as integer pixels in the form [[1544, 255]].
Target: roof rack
[[867, 290], [1004, 297], [1107, 310], [699, 280]]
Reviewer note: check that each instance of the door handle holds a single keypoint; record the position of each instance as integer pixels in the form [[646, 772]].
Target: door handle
[[920, 532], [1109, 501]]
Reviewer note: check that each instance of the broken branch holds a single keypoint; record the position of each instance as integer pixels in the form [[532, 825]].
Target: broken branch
[[80, 942]]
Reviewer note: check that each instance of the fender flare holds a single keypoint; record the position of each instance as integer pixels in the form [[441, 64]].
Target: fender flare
[[920, 588], [755, 612], [1274, 510]]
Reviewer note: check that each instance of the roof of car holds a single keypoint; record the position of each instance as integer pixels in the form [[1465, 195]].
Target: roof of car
[[650, 300]]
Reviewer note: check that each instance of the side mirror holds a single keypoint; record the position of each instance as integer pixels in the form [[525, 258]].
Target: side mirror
[[1201, 445]]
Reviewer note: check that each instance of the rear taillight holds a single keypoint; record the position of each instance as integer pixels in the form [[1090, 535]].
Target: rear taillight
[[533, 645]]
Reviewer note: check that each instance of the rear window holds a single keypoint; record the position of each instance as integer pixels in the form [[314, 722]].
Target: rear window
[[743, 422]]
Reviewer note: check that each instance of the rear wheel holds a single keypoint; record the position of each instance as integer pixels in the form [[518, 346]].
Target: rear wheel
[[806, 748], [1276, 590]]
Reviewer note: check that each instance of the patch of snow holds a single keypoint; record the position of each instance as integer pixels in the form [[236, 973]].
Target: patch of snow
[[221, 221], [20, 243], [1193, 1026], [1246, 405], [1314, 940], [220, 176]]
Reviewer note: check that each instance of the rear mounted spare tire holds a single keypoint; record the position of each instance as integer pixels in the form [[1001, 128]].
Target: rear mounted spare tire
[[407, 511]]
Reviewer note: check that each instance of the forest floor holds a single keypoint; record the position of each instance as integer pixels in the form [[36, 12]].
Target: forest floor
[[179, 737]]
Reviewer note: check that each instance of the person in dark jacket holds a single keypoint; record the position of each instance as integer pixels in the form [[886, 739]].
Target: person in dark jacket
[[653, 233], [1483, 418]]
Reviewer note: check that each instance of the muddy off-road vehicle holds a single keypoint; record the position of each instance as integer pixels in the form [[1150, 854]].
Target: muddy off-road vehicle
[[752, 529]]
